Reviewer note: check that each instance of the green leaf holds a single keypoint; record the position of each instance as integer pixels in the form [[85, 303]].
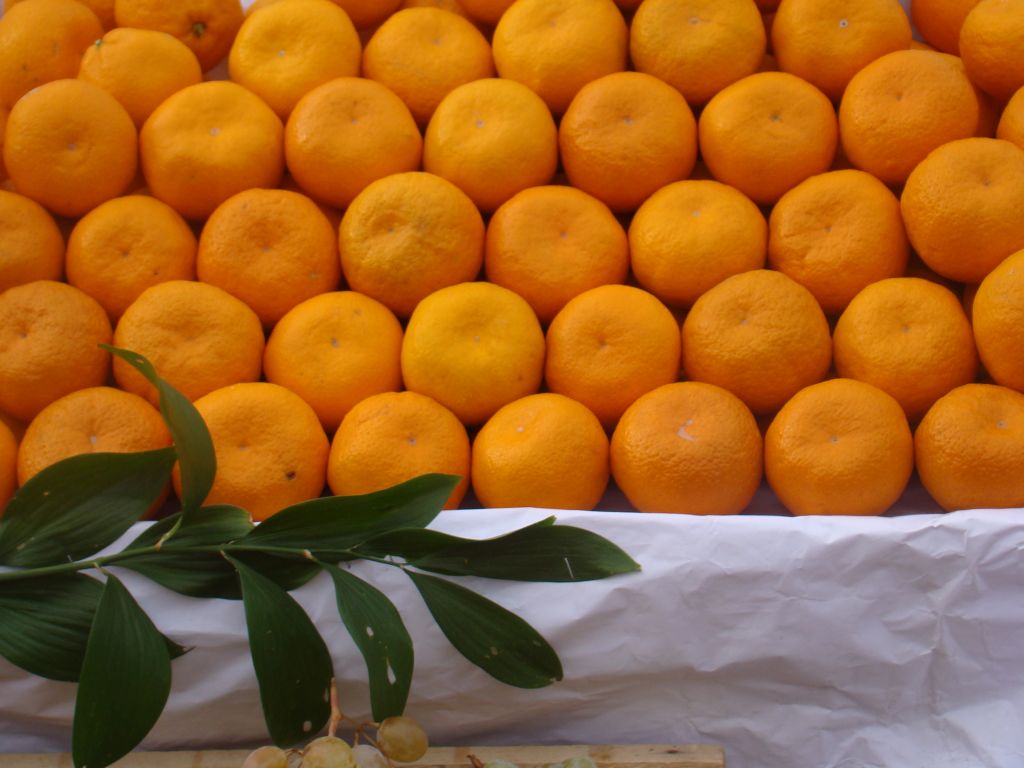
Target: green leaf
[[195, 574], [292, 663], [337, 523], [125, 680], [556, 553], [80, 505], [288, 572], [213, 525], [378, 631], [188, 573], [45, 621], [191, 437], [208, 574], [495, 639], [412, 543]]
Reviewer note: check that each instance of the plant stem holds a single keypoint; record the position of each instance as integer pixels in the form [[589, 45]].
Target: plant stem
[[113, 559]]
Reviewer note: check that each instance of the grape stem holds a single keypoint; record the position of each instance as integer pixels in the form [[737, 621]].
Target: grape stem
[[336, 716]]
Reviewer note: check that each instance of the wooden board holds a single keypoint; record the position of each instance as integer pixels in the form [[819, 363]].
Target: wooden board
[[606, 756]]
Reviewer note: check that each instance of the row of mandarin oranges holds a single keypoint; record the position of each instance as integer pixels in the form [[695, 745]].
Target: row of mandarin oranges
[[831, 199]]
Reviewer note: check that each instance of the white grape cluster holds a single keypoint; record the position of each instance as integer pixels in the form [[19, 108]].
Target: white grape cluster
[[400, 739]]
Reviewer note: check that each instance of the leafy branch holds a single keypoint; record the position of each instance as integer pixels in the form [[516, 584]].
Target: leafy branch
[[65, 616]]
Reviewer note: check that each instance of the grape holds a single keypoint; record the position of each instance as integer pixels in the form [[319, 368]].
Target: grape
[[368, 757], [328, 752], [401, 738], [266, 757]]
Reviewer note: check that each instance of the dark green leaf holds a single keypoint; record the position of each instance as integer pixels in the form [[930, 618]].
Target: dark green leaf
[[125, 681], [191, 437], [381, 636], [196, 574], [45, 621], [80, 505], [292, 663], [495, 639], [412, 543], [340, 522], [208, 574], [210, 526], [550, 553], [187, 573], [287, 572]]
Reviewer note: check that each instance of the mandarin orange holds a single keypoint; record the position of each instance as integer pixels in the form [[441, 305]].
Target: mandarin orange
[[690, 448], [50, 334], [552, 243], [473, 347], [335, 350], [766, 133], [33, 244], [626, 135], [271, 450], [392, 437], [544, 450], [407, 235], [690, 235], [969, 448], [271, 248], [609, 345], [122, 247], [760, 335], [910, 338], [839, 447]]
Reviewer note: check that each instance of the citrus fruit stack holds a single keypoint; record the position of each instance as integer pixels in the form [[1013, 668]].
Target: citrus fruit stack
[[685, 245]]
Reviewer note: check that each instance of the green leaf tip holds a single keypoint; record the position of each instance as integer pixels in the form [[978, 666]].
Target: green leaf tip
[[293, 666], [124, 683], [196, 456]]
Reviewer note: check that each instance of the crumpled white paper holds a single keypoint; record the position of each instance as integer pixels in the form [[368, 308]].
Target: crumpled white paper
[[792, 642]]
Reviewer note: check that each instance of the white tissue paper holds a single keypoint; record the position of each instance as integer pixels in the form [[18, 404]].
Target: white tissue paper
[[792, 642]]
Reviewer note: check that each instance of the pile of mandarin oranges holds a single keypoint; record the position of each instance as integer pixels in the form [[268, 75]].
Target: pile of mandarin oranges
[[682, 247]]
